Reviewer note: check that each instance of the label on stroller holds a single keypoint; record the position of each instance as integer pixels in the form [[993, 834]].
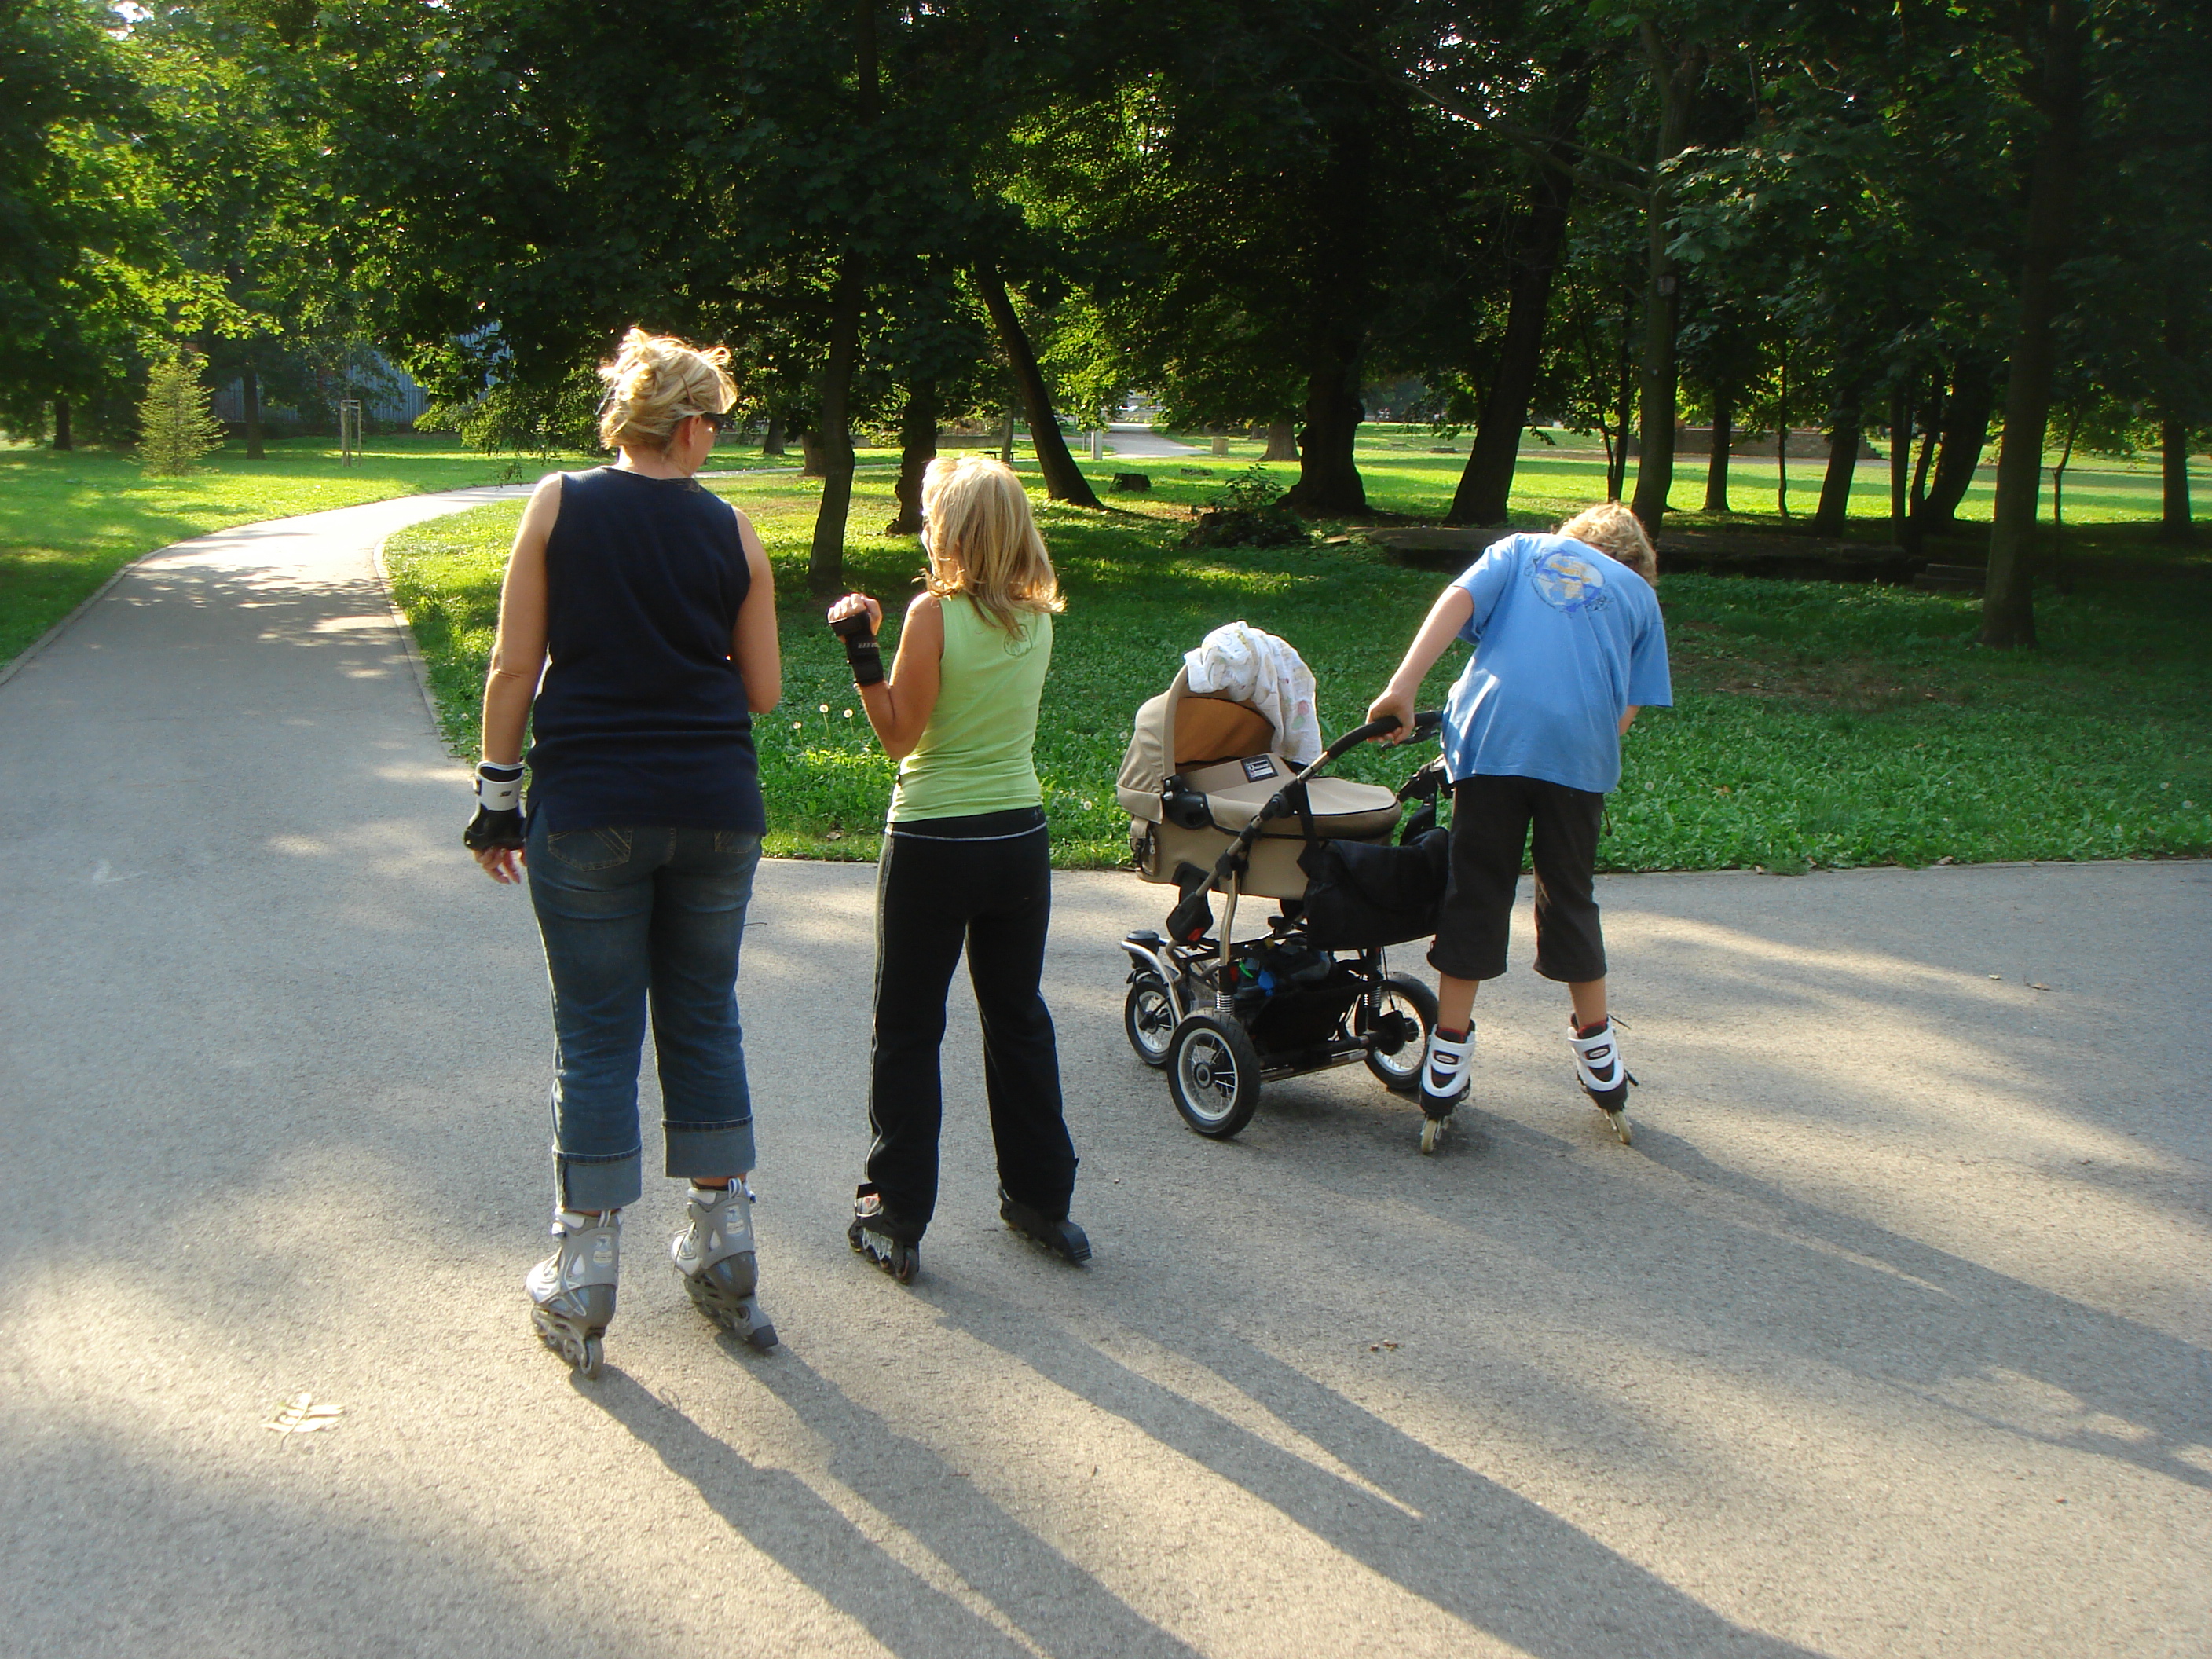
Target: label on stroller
[[1258, 767]]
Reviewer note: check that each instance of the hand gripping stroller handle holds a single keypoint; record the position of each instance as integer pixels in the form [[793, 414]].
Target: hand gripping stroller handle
[[1423, 724]]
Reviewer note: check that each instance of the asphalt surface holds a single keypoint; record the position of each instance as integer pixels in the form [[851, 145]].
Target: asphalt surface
[[1889, 1337]]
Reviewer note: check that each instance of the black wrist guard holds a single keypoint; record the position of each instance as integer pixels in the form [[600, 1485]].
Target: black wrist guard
[[490, 829], [861, 650], [498, 822]]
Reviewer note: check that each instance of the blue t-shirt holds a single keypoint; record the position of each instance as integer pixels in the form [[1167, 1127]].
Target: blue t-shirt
[[1565, 639]]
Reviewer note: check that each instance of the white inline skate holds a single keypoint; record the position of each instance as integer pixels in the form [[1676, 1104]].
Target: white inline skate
[[1599, 1069], [572, 1291], [714, 1254], [1443, 1083]]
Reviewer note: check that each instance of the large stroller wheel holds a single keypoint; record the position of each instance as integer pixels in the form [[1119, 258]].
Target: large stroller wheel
[[1213, 1073], [1149, 1017], [1402, 998]]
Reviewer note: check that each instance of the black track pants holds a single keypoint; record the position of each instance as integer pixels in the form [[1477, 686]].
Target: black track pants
[[982, 883], [1491, 821]]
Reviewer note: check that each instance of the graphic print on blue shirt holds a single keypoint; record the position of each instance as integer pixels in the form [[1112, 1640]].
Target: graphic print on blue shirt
[[1566, 638]]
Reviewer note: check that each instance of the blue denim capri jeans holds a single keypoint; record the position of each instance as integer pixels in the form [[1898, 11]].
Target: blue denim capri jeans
[[637, 918]]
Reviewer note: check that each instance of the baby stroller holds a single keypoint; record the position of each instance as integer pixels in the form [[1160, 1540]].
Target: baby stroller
[[1214, 807]]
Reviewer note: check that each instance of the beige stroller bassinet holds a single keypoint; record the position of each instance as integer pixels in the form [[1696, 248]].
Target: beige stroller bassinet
[[1227, 764]]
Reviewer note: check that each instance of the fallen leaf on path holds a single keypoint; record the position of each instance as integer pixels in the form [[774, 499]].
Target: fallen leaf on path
[[301, 1415], [2037, 985]]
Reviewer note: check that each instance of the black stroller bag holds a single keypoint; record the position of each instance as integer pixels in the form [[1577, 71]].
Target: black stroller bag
[[1360, 896]]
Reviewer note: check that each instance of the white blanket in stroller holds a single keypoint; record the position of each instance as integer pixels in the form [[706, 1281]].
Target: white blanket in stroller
[[1247, 665]]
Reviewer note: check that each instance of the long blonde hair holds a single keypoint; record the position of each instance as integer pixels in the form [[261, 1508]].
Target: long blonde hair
[[983, 540], [1612, 528], [654, 383]]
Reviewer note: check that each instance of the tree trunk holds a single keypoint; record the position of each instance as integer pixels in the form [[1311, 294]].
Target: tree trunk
[[2174, 523], [917, 449], [833, 436], [249, 386], [812, 463], [1328, 476], [2008, 599], [1282, 441], [1842, 466], [1900, 462], [1486, 485], [772, 440], [1782, 436], [1673, 73], [1616, 471], [1340, 278], [65, 432], [1063, 479], [1966, 428], [1717, 465]]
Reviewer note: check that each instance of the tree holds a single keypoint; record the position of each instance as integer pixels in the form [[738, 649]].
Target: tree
[[175, 425]]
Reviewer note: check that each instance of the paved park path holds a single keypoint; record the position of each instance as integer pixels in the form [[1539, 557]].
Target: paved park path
[[1889, 1337]]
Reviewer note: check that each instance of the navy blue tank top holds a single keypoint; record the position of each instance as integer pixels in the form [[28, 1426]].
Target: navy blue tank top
[[641, 716]]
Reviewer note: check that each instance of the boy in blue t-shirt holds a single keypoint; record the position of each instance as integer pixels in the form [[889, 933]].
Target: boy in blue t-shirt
[[1569, 644]]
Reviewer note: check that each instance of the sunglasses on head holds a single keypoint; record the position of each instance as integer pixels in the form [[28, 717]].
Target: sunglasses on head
[[719, 422]]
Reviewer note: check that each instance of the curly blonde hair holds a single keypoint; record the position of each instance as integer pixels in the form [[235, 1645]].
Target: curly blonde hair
[[983, 540], [654, 383], [1612, 529]]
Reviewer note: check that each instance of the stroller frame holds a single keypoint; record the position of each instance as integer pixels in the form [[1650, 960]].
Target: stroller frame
[[1189, 1012]]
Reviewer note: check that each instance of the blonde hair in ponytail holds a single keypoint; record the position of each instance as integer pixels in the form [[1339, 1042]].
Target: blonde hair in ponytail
[[654, 383], [983, 540]]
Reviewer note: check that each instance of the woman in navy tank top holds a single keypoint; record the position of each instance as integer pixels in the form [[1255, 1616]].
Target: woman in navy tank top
[[639, 617]]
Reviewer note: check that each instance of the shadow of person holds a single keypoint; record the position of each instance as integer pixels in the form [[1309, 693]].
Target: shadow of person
[[1058, 1606], [1462, 1542], [1055, 1602], [782, 1517], [1847, 1291]]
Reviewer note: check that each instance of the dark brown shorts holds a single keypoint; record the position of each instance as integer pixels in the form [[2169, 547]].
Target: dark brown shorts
[[1492, 817]]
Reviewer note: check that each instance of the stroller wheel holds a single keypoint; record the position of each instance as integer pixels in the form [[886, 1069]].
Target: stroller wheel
[[1406, 1003], [1213, 1073], [1149, 1017]]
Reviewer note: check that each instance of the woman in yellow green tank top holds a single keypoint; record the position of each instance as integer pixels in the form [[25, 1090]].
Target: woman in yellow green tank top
[[966, 864]]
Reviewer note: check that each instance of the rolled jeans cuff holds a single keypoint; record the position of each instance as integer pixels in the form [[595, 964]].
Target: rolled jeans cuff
[[709, 1150], [597, 1183]]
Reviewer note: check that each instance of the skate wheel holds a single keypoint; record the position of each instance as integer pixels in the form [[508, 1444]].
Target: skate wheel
[[1432, 1131], [592, 1359], [1619, 1123]]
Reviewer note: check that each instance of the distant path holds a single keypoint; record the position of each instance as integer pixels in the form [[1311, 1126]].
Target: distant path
[[1132, 442], [1889, 1337]]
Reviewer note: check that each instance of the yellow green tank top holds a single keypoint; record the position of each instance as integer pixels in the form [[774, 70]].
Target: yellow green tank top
[[975, 753]]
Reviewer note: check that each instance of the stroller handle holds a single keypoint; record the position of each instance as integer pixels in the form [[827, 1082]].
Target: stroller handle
[[1423, 724]]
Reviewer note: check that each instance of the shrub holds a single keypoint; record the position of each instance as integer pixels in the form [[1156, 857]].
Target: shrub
[[176, 426], [1250, 512]]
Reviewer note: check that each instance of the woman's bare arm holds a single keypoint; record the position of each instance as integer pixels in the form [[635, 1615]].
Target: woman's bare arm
[[518, 658], [754, 646]]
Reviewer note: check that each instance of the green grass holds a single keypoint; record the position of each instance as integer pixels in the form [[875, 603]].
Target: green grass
[[1816, 724], [67, 521]]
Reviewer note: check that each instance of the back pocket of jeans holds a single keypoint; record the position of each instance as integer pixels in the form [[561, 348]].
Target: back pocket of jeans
[[589, 849]]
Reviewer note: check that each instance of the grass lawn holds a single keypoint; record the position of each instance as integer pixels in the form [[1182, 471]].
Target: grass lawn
[[1815, 724], [69, 520]]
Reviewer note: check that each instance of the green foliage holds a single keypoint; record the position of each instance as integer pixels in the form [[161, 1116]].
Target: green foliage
[[1248, 512], [175, 426], [1815, 725]]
